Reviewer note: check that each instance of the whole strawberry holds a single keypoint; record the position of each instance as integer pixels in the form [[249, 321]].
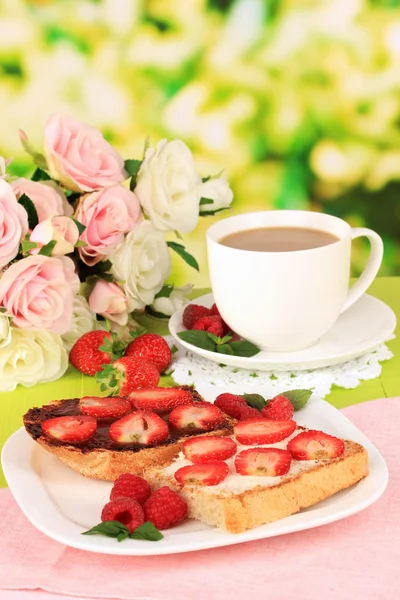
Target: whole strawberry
[[192, 313], [212, 324], [94, 349], [127, 374], [279, 409], [165, 508], [153, 348], [235, 406]]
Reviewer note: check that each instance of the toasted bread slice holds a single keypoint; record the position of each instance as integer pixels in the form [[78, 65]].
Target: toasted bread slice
[[241, 502], [100, 457]]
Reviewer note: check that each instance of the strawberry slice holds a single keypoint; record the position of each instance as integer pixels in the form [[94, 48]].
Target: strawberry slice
[[139, 427], [159, 400], [262, 431], [209, 449], [211, 474], [104, 408], [73, 429], [263, 462], [201, 416], [315, 445]]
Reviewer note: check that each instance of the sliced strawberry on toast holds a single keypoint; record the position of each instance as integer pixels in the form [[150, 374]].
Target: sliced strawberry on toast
[[315, 445], [263, 431], [201, 416], [104, 408], [209, 449], [72, 429], [139, 427], [211, 474], [263, 462], [159, 400]]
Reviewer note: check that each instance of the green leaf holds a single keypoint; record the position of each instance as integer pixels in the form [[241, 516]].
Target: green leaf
[[103, 387], [48, 248], [155, 314], [200, 339], [225, 339], [165, 291], [27, 245], [30, 208], [174, 349], [205, 179], [244, 348], [40, 175], [188, 258], [112, 529], [206, 201], [147, 531], [255, 400], [211, 213], [224, 349], [80, 226], [298, 398], [132, 166], [213, 337], [178, 235], [134, 333], [80, 244], [122, 536]]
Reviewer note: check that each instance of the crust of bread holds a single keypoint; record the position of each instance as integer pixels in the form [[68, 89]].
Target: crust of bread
[[236, 513], [110, 464]]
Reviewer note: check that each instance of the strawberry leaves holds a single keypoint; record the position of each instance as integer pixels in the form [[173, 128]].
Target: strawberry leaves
[[119, 531], [213, 343], [298, 399]]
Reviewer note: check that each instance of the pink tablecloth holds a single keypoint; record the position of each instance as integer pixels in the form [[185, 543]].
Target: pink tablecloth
[[354, 559]]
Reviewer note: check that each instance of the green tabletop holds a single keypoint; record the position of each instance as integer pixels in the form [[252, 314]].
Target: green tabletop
[[74, 384]]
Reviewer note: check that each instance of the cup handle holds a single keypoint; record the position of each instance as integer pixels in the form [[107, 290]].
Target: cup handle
[[371, 269]]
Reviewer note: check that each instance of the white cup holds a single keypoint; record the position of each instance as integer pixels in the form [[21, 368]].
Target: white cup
[[286, 301]]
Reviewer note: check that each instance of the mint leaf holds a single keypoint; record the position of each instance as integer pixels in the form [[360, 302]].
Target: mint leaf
[[30, 208], [132, 166], [27, 245], [122, 536], [40, 175], [188, 258], [48, 248], [224, 349], [174, 349], [81, 227], [298, 398], [255, 401], [147, 531], [165, 291], [225, 339], [200, 339], [206, 201], [109, 529], [213, 337], [244, 348]]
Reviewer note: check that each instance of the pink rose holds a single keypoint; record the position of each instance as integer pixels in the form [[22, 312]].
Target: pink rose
[[13, 224], [37, 292], [48, 198], [61, 229], [107, 215], [79, 157], [108, 300]]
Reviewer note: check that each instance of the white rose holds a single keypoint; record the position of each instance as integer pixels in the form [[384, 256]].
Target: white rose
[[142, 262], [218, 191], [5, 330], [168, 187], [83, 320], [175, 301], [31, 357]]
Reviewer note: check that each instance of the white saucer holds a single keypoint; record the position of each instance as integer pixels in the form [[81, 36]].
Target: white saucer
[[359, 330]]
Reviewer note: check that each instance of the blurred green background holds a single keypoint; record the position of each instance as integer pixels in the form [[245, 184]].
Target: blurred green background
[[299, 100]]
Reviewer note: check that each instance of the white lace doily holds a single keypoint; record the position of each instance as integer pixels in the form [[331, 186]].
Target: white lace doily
[[189, 368]]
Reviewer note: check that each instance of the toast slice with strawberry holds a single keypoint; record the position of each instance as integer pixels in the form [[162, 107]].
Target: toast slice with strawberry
[[103, 438], [262, 481]]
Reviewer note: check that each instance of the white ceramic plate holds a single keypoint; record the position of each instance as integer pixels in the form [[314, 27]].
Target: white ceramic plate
[[62, 504], [368, 323]]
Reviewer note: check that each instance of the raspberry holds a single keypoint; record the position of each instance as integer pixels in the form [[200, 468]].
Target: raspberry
[[131, 486], [125, 511], [231, 404], [212, 324], [215, 312], [165, 508], [279, 409], [192, 313]]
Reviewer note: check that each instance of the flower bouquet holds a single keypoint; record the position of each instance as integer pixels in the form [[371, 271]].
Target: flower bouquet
[[83, 241]]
